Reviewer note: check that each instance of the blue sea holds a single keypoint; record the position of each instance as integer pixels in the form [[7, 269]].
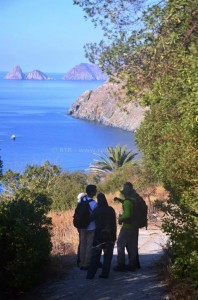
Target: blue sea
[[35, 112]]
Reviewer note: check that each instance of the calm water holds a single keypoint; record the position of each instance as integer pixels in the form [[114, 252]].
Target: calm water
[[35, 111]]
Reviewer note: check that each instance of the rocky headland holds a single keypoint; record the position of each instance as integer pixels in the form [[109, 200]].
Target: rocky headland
[[85, 71], [102, 105], [17, 74]]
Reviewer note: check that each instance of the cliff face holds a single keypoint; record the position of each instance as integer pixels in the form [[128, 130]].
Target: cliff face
[[85, 72], [102, 105], [17, 74]]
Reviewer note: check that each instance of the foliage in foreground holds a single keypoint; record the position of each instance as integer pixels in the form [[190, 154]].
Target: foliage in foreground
[[61, 187], [24, 227], [24, 239]]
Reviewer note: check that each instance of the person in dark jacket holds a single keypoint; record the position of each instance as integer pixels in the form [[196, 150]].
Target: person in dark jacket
[[104, 238]]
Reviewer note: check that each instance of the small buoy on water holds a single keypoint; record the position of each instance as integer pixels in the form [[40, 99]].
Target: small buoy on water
[[13, 137]]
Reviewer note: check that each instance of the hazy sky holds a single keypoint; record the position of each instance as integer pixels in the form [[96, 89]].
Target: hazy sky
[[47, 35]]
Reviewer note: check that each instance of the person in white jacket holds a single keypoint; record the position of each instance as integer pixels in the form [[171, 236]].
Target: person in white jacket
[[87, 234]]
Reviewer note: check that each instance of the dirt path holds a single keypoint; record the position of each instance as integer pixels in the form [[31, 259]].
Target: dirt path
[[143, 284]]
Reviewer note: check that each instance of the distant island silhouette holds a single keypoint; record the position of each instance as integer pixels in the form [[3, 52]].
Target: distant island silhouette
[[85, 71], [82, 72], [17, 74]]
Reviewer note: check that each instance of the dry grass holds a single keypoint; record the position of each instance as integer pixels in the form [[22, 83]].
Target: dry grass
[[64, 244], [64, 234]]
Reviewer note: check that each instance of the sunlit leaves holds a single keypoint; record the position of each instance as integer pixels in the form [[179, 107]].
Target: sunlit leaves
[[113, 159]]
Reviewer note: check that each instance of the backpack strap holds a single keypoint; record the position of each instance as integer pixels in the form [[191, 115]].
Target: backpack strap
[[88, 200]]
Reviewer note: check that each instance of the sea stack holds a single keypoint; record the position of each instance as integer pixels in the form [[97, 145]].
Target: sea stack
[[37, 75], [16, 73]]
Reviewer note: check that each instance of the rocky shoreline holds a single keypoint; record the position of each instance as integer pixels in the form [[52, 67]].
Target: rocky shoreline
[[102, 105]]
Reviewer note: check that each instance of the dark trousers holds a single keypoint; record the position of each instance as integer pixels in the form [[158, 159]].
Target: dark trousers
[[128, 238], [137, 262], [97, 249], [78, 251]]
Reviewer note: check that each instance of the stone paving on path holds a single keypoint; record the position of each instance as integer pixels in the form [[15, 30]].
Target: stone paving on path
[[143, 284]]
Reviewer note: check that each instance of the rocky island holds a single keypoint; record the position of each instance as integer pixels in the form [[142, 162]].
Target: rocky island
[[17, 74], [85, 71], [102, 105], [37, 75]]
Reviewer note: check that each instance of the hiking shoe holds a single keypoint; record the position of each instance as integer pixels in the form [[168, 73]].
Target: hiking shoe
[[130, 268], [137, 266], [119, 268], [103, 276], [83, 268]]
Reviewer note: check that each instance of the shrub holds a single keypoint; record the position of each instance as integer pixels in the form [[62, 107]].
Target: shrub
[[50, 180], [181, 225], [140, 177], [65, 189], [24, 239]]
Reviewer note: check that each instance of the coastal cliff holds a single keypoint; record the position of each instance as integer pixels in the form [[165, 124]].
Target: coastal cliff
[[102, 105], [17, 74], [85, 71]]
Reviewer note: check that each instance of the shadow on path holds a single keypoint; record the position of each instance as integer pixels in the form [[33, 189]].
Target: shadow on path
[[143, 284]]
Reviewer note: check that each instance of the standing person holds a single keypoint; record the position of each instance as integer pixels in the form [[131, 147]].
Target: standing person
[[137, 263], [128, 236], [104, 238], [79, 198], [87, 234]]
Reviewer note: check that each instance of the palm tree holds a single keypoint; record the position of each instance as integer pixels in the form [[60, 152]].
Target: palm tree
[[115, 158]]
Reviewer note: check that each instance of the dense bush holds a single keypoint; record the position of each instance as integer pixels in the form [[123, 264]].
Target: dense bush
[[136, 174], [24, 239], [168, 135], [182, 226], [65, 189], [50, 180]]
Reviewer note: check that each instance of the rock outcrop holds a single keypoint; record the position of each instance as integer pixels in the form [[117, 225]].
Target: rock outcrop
[[16, 73], [37, 75], [85, 72], [103, 105]]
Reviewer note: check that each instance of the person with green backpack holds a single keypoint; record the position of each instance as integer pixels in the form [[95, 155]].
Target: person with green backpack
[[134, 216]]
